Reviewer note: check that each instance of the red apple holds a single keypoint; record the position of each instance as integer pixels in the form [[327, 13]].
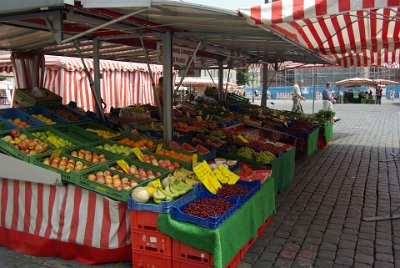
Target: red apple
[[15, 133], [23, 146], [92, 177]]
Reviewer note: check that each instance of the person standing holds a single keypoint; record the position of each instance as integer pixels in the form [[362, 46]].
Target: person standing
[[327, 98], [297, 97], [392, 94], [378, 95]]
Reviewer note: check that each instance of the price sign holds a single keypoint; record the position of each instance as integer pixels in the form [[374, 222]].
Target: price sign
[[122, 163], [138, 153], [199, 118], [157, 184], [207, 177], [224, 175], [55, 154], [159, 148], [243, 139], [282, 117], [194, 160]]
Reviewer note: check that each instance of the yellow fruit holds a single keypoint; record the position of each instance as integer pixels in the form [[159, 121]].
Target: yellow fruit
[[151, 190]]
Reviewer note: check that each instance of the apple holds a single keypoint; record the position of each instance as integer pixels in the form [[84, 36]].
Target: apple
[[32, 145], [116, 177], [107, 173], [101, 180], [117, 183], [108, 179], [46, 161], [54, 165], [151, 177], [74, 153], [133, 183], [103, 160], [15, 133], [56, 160], [98, 173], [132, 170], [92, 177], [23, 145], [125, 180], [85, 166]]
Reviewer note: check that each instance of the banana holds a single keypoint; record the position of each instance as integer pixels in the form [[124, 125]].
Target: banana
[[182, 185], [169, 195], [178, 190], [159, 195]]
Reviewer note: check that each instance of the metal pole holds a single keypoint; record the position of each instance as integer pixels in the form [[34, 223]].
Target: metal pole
[[252, 84], [313, 86], [153, 84], [96, 72], [72, 38], [265, 86], [212, 79], [188, 66], [220, 77], [167, 85]]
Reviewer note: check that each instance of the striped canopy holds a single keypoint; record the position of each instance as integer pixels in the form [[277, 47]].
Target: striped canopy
[[350, 32]]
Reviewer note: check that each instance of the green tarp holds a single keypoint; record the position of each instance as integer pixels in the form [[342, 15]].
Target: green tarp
[[312, 142], [328, 131], [283, 169], [226, 241]]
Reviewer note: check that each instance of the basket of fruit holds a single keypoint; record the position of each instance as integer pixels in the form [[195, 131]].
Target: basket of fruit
[[99, 130], [67, 113], [161, 161], [19, 118], [44, 115], [54, 137], [77, 133], [141, 142], [108, 182], [22, 145], [4, 125], [114, 148], [178, 188], [181, 155], [242, 189], [138, 169], [89, 154]]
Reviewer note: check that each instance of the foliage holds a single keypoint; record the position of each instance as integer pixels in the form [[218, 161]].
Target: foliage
[[242, 77]]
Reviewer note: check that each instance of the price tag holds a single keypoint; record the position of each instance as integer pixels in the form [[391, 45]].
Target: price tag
[[138, 153], [243, 139], [282, 117], [194, 160], [187, 114], [207, 177], [55, 154], [224, 175], [122, 163], [157, 184], [159, 148], [199, 118]]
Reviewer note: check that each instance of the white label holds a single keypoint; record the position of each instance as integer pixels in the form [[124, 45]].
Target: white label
[[153, 239]]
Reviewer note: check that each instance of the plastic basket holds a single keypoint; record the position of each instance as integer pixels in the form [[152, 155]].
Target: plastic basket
[[55, 132], [14, 113], [187, 256], [123, 195], [142, 220], [66, 176], [212, 222], [164, 206], [110, 157], [152, 242], [109, 142], [78, 117], [8, 125], [45, 112], [141, 259], [92, 125], [77, 133]]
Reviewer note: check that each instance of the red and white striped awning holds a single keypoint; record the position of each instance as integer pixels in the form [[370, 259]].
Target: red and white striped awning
[[352, 32]]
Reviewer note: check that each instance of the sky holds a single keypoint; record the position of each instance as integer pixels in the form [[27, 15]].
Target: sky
[[230, 4]]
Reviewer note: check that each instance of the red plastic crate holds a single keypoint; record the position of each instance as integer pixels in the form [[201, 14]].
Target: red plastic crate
[[264, 226], [247, 246], [146, 260], [143, 220], [190, 255], [185, 263], [235, 261], [151, 242]]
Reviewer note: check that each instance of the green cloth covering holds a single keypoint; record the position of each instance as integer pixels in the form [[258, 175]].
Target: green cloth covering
[[328, 131], [283, 169], [225, 241], [312, 142]]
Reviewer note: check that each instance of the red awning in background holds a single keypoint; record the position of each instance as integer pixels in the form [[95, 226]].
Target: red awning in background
[[354, 33]]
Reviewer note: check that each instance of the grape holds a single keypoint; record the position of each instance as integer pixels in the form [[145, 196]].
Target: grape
[[246, 152]]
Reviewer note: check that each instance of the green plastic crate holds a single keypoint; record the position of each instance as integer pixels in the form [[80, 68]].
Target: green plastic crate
[[109, 142], [66, 176], [181, 163], [187, 165], [85, 125], [139, 164], [82, 180], [110, 156], [78, 133], [56, 132]]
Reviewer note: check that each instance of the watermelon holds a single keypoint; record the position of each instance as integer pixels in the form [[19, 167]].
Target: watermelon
[[174, 145], [189, 148], [202, 150]]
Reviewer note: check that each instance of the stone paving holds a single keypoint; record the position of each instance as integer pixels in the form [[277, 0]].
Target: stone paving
[[319, 216]]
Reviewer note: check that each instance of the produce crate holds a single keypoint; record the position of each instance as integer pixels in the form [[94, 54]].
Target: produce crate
[[164, 206], [66, 176], [25, 95], [92, 125], [9, 149], [45, 112], [55, 132], [163, 157], [139, 164], [14, 113], [185, 164], [143, 220], [184, 255], [153, 242], [82, 180], [141, 259], [110, 156], [110, 142], [77, 133], [135, 139], [212, 222], [233, 156], [80, 117], [7, 125]]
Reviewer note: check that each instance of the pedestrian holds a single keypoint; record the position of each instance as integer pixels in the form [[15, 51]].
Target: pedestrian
[[296, 97], [160, 90], [378, 95], [392, 94], [328, 100]]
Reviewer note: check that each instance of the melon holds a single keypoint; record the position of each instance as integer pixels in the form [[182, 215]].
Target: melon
[[174, 145], [202, 150], [189, 148]]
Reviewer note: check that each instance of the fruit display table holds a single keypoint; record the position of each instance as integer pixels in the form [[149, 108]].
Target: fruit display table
[[63, 221], [226, 241], [283, 169]]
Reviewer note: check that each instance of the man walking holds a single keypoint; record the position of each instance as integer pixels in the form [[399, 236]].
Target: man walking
[[328, 100], [378, 95], [297, 97]]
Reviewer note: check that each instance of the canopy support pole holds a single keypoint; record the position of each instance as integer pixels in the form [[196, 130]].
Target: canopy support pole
[[167, 85], [97, 75], [220, 77], [265, 86], [153, 84], [96, 61], [314, 74], [188, 66]]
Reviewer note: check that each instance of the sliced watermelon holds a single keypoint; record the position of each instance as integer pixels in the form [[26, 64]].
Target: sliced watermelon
[[189, 148], [174, 145], [202, 150]]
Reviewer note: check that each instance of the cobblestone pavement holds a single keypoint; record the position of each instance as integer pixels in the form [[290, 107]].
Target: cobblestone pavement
[[319, 216]]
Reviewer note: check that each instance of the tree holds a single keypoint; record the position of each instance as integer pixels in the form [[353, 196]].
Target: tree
[[242, 77]]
